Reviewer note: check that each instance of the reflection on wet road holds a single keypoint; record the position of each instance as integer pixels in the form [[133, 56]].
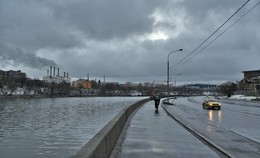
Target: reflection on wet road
[[217, 117]]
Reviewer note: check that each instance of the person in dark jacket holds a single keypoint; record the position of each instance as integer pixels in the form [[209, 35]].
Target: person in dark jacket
[[156, 99]]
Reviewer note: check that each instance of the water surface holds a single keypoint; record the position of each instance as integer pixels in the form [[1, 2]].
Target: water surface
[[53, 127]]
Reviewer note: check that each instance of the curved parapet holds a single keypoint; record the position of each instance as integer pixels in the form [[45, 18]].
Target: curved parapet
[[102, 144]]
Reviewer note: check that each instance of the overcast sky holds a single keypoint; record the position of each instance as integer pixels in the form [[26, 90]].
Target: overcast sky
[[129, 40]]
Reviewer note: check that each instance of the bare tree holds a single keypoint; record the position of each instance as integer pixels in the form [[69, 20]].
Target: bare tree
[[228, 88]]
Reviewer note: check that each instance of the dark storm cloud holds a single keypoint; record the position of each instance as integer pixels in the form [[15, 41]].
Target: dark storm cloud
[[29, 24], [16, 56], [111, 38], [128, 60], [64, 25], [103, 19]]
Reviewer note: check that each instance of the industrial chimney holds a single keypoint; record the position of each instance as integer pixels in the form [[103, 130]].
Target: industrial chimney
[[53, 71], [58, 72], [50, 70], [47, 73]]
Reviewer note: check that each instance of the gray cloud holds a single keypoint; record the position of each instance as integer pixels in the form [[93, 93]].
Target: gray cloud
[[107, 19], [16, 56], [110, 37], [29, 24]]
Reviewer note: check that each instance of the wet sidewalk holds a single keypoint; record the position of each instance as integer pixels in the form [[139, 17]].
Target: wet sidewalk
[[153, 134]]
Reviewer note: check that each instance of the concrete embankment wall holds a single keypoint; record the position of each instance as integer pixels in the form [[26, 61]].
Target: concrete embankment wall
[[102, 144]]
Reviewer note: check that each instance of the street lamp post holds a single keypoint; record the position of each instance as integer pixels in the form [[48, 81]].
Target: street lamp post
[[168, 72]]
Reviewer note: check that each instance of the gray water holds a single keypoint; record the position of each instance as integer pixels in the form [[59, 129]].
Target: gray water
[[53, 127]]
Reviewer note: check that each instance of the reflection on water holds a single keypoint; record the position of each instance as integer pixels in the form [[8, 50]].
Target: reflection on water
[[53, 127]]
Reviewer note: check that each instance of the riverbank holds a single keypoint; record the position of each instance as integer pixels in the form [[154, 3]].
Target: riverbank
[[64, 96]]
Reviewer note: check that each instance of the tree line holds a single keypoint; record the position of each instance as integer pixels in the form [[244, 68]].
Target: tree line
[[40, 87]]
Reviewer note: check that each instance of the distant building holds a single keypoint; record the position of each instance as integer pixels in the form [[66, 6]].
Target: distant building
[[56, 79], [251, 74], [201, 86], [251, 77], [82, 83], [11, 75], [250, 85], [52, 77]]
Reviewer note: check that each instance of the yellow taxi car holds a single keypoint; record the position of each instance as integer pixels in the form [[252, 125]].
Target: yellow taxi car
[[211, 104]]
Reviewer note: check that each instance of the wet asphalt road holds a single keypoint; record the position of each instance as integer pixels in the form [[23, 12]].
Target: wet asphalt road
[[155, 134], [235, 128]]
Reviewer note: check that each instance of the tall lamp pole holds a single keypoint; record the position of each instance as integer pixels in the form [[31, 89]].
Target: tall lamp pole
[[168, 72]]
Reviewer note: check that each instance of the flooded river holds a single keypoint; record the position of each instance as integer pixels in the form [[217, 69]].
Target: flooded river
[[53, 127]]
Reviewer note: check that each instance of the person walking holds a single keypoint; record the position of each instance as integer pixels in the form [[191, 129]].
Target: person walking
[[157, 99]]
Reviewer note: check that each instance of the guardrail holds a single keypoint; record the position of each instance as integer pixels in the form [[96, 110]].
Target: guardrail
[[102, 144]]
